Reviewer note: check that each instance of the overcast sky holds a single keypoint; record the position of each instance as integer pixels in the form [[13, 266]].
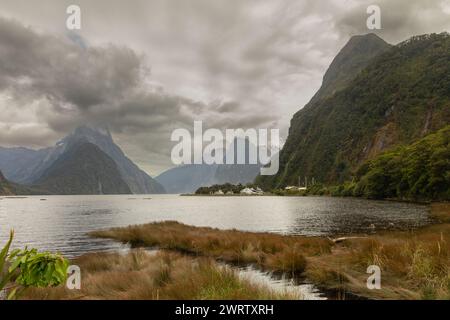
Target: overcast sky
[[145, 67]]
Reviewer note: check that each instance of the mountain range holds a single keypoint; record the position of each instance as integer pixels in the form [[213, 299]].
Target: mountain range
[[188, 178], [67, 168], [87, 161], [8, 188], [374, 97], [83, 169]]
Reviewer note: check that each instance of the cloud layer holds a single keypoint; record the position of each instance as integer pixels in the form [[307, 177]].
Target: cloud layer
[[144, 68]]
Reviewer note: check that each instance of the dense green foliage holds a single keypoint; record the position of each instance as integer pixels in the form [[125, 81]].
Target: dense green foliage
[[6, 273], [352, 59], [227, 187], [25, 268], [420, 171], [417, 171], [39, 269], [401, 96]]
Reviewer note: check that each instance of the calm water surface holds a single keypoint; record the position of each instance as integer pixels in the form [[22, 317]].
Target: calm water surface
[[60, 223]]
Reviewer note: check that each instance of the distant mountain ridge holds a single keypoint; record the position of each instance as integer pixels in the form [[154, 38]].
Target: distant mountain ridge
[[8, 188], [5, 186], [83, 169], [27, 166], [188, 178], [393, 98], [19, 164], [138, 181]]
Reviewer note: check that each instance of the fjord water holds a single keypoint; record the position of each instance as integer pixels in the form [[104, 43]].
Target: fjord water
[[61, 223]]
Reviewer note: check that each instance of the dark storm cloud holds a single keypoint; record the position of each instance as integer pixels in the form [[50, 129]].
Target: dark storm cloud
[[229, 107], [230, 63], [63, 71], [74, 84], [102, 82]]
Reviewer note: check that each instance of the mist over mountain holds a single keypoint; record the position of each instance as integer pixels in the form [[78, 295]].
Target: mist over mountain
[[402, 94], [238, 173], [188, 178]]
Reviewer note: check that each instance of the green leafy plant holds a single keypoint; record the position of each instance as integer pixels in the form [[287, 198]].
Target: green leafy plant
[[23, 268], [5, 275]]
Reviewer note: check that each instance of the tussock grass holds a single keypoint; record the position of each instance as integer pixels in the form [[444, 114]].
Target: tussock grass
[[141, 276], [269, 251], [415, 264], [441, 212]]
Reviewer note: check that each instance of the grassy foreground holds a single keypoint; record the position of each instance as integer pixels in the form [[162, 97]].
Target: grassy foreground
[[283, 254], [415, 264], [139, 275]]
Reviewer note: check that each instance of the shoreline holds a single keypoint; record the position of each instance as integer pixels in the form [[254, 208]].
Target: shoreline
[[420, 202], [411, 260], [267, 194], [338, 267]]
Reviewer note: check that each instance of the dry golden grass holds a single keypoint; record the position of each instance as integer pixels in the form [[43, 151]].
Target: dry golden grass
[[441, 212], [142, 276], [269, 251], [415, 264]]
